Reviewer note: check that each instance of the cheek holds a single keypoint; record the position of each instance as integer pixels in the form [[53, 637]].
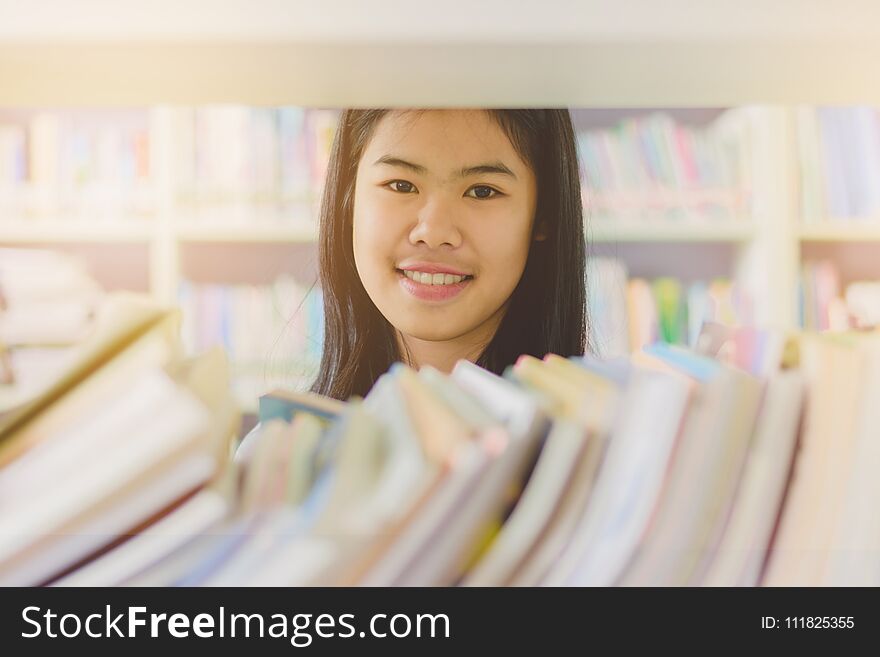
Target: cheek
[[502, 255], [374, 239]]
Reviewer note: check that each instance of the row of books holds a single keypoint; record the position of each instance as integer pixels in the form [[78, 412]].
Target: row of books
[[672, 467], [272, 334], [236, 158], [652, 167], [627, 313], [826, 304], [76, 163], [223, 160], [839, 156]]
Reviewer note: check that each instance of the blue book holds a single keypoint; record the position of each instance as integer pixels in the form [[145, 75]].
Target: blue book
[[698, 367], [284, 404]]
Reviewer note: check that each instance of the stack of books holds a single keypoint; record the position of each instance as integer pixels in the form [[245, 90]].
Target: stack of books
[[126, 436], [48, 304], [749, 460], [627, 313], [272, 334], [827, 302]]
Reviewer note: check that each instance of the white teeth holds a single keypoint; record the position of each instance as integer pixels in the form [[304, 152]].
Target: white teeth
[[432, 279]]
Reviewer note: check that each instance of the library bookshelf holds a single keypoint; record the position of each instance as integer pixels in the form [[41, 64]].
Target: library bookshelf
[[760, 250], [256, 54]]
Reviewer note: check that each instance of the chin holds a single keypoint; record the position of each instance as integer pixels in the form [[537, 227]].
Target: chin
[[431, 332]]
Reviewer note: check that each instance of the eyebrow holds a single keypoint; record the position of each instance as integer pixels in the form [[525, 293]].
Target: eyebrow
[[489, 167]]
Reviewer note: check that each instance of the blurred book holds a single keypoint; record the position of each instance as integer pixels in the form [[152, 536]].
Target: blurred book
[[839, 156], [126, 432], [653, 168], [626, 314], [48, 305], [233, 163], [88, 165], [829, 303], [273, 334]]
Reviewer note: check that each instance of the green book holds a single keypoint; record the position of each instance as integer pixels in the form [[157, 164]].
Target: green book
[[671, 311]]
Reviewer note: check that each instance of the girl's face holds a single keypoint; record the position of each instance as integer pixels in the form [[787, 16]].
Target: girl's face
[[443, 212]]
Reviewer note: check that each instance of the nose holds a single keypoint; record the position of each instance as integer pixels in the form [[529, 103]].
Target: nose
[[436, 225]]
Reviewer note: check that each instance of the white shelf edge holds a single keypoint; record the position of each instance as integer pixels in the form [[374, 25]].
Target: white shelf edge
[[36, 231], [603, 232], [247, 234], [868, 231]]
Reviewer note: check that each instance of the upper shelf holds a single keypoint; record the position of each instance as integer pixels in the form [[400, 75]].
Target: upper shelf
[[338, 53], [62, 230], [728, 231], [868, 231]]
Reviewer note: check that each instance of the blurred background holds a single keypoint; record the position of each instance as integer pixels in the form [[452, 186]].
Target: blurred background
[[730, 157]]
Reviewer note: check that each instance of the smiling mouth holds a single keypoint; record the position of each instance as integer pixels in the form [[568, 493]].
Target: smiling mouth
[[426, 278]]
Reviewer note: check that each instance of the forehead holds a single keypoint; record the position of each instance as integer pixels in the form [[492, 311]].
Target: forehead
[[442, 140]]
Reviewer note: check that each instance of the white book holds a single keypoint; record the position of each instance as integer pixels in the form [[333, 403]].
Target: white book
[[192, 518], [125, 512], [854, 548], [705, 472], [548, 483], [629, 482], [743, 548], [124, 452], [504, 400], [444, 558], [470, 464]]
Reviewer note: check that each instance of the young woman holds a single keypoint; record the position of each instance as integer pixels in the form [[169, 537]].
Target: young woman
[[449, 234]]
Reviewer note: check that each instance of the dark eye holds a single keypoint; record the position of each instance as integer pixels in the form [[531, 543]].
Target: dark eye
[[401, 186], [482, 192]]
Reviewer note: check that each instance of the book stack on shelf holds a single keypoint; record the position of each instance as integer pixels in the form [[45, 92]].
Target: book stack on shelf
[[671, 467], [243, 166], [628, 313], [839, 150], [48, 304], [126, 434], [81, 165], [272, 334], [839, 155], [826, 304], [650, 168]]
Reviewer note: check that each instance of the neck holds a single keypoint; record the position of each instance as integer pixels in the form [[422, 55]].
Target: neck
[[443, 354]]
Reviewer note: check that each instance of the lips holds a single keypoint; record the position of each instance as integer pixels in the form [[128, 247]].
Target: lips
[[437, 286]]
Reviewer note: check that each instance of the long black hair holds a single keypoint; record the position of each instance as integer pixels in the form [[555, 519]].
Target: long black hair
[[547, 310]]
